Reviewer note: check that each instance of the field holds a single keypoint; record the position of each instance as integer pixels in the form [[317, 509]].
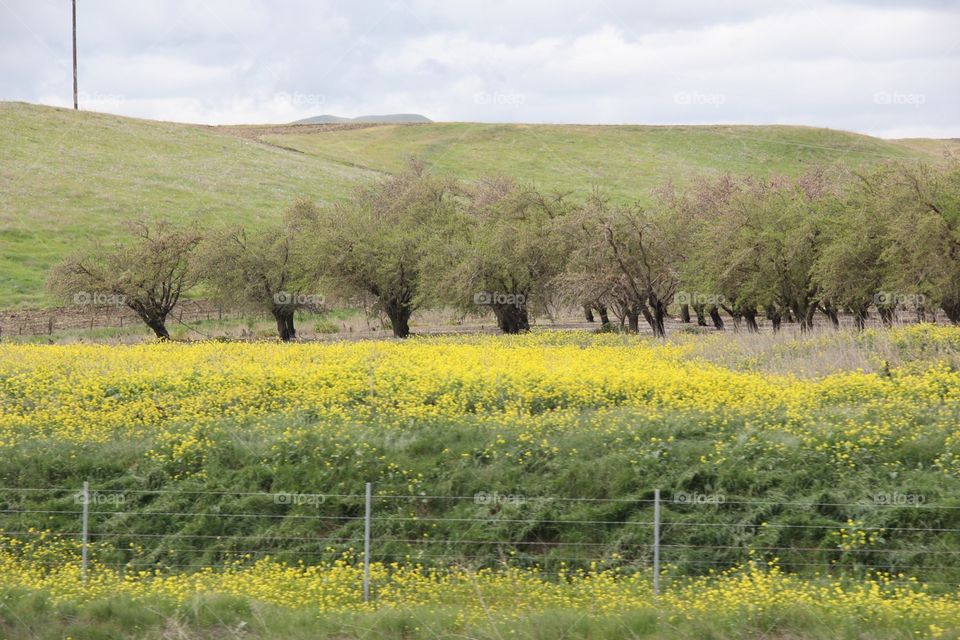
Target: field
[[808, 486], [568, 482], [69, 180], [628, 161]]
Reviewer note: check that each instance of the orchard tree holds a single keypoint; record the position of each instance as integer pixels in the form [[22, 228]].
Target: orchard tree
[[589, 278], [501, 250], [924, 235], [634, 252], [268, 269], [377, 242], [764, 238], [704, 221], [852, 267], [148, 273]]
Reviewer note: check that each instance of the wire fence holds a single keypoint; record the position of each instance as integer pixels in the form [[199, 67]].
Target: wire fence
[[47, 321], [663, 536], [27, 322]]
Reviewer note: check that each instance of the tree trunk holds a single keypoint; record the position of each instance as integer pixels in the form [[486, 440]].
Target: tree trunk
[[512, 318], [398, 310], [750, 317], [291, 329], [159, 328], [860, 318], [604, 316], [715, 316], [737, 319], [952, 310], [804, 311], [633, 321], [285, 329], [701, 318], [685, 313], [656, 318], [834, 317], [775, 318], [156, 319], [400, 322], [831, 312], [886, 315]]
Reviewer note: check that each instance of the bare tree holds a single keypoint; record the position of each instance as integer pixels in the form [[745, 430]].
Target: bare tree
[[631, 252], [147, 274]]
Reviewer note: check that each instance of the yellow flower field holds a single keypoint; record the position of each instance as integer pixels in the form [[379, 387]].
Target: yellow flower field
[[894, 420], [752, 592], [174, 394], [93, 393]]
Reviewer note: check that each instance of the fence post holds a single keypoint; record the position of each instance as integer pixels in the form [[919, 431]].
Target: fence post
[[86, 519], [656, 542], [366, 543]]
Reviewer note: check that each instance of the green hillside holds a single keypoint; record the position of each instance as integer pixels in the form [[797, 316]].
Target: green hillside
[[68, 179], [628, 161]]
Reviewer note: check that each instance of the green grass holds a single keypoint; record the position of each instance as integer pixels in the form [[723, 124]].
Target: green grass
[[32, 615], [763, 476], [627, 161], [188, 509], [69, 179]]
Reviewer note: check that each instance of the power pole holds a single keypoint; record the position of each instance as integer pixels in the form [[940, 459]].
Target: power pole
[[75, 106]]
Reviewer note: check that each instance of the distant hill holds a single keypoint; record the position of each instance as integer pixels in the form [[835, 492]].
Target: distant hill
[[69, 179], [391, 118], [324, 119]]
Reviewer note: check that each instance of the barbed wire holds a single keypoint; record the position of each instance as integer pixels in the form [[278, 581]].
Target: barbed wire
[[214, 552], [485, 520], [613, 546]]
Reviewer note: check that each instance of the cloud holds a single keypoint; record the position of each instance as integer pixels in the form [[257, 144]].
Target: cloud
[[885, 67]]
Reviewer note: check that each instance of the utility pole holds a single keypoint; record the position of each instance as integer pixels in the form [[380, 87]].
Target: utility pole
[[75, 106]]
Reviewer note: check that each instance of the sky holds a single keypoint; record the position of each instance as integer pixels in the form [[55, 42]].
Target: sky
[[884, 68]]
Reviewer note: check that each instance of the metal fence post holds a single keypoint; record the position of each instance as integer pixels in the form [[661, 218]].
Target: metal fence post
[[656, 542], [366, 543], [85, 528]]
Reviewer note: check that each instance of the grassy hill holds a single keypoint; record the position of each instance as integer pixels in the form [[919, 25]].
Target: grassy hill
[[68, 179], [628, 160]]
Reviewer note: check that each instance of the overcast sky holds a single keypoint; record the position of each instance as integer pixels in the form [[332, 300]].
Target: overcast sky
[[885, 68]]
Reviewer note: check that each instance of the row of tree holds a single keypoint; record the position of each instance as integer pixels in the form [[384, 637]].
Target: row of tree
[[829, 241]]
